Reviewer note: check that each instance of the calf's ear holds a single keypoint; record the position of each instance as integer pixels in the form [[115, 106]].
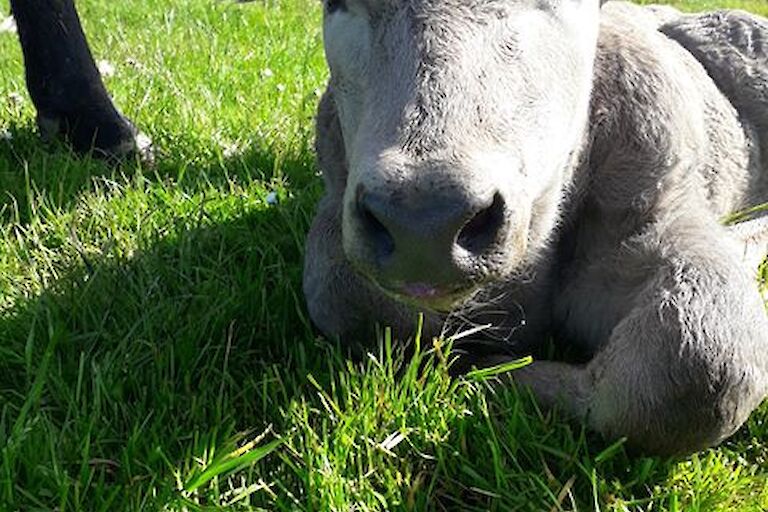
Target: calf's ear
[[329, 144]]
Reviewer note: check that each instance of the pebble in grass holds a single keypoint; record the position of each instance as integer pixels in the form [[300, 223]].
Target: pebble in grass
[[15, 99]]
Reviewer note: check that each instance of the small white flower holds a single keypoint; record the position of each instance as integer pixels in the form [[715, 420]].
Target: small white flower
[[6, 135], [318, 92], [231, 150], [281, 87], [267, 73], [272, 198], [8, 25], [105, 68]]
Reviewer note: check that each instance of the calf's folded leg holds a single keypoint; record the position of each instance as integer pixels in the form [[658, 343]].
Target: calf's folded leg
[[65, 84], [682, 370]]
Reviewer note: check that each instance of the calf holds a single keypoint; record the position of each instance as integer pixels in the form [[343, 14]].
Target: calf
[[64, 83], [555, 169]]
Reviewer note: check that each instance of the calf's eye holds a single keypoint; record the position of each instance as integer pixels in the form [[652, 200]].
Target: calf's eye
[[335, 5]]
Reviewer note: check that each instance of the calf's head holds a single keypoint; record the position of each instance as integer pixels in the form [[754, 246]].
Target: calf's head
[[459, 119]]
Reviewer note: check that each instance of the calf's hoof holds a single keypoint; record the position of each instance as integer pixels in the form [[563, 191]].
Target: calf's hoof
[[110, 136]]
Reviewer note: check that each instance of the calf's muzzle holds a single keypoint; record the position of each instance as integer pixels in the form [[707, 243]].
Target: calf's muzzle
[[428, 246]]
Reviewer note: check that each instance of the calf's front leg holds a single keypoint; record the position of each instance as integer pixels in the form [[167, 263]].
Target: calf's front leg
[[686, 364]]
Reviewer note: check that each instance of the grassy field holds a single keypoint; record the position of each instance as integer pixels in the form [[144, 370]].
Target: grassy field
[[155, 351]]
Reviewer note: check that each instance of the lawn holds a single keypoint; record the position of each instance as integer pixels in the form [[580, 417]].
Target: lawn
[[155, 350]]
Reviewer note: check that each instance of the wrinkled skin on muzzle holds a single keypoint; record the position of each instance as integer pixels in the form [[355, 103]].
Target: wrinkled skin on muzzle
[[458, 120]]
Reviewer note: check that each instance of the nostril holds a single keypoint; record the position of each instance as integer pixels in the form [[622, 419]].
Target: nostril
[[374, 230], [482, 231]]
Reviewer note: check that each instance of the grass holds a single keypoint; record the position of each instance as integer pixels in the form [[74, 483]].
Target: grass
[[755, 6], [155, 351]]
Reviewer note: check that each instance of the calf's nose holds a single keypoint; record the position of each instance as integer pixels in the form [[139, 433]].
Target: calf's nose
[[434, 238]]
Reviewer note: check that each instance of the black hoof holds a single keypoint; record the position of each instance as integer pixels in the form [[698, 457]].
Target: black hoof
[[110, 136]]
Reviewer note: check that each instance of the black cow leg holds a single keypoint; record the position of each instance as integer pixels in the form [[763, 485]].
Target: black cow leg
[[65, 84]]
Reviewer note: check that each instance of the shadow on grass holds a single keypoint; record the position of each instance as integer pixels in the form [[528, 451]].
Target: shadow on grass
[[127, 362], [32, 170]]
